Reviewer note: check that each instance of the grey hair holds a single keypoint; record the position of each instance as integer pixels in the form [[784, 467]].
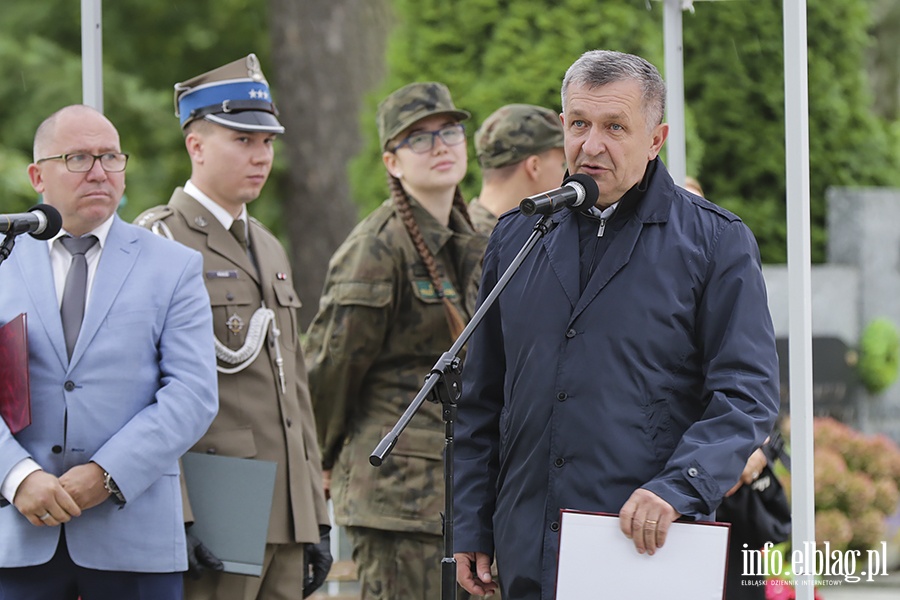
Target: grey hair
[[596, 68]]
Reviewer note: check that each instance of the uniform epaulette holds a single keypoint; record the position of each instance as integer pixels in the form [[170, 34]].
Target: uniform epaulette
[[152, 219], [380, 217], [151, 215], [259, 223]]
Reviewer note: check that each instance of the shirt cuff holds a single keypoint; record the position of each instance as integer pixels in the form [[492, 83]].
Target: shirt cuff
[[16, 476]]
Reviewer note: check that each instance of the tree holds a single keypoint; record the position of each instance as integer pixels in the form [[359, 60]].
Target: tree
[[327, 54], [490, 52], [40, 64], [734, 78], [494, 52], [884, 58]]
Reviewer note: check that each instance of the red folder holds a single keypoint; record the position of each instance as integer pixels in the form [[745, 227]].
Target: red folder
[[15, 389]]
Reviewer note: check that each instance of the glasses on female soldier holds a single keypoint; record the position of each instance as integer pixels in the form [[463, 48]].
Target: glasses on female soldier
[[423, 141]]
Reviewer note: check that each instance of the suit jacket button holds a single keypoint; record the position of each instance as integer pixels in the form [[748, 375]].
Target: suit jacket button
[[288, 422], [56, 449], [554, 526], [69, 385]]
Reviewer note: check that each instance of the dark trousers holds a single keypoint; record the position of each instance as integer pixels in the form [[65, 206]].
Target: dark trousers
[[62, 579], [737, 585]]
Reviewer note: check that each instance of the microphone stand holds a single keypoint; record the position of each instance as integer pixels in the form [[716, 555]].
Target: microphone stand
[[443, 384], [7, 246]]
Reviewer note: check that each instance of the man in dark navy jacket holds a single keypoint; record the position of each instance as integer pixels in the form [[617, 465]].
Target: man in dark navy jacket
[[629, 367]]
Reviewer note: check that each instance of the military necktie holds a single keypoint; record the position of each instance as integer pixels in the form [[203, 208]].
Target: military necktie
[[73, 300], [239, 231]]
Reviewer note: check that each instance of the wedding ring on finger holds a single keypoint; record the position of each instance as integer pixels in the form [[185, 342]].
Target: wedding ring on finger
[[649, 522], [45, 516]]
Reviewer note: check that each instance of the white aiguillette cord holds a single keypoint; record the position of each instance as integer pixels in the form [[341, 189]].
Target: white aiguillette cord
[[263, 319], [253, 343]]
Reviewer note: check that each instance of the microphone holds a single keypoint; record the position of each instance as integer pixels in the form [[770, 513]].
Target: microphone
[[578, 192], [42, 221]]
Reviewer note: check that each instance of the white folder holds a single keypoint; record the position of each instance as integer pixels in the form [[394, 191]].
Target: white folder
[[596, 560]]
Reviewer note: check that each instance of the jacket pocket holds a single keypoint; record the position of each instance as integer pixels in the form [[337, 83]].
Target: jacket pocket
[[229, 292], [410, 482], [233, 306], [504, 432], [286, 312], [659, 429], [238, 442]]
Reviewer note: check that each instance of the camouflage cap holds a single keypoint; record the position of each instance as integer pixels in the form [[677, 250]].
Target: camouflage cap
[[514, 132], [413, 103], [235, 95]]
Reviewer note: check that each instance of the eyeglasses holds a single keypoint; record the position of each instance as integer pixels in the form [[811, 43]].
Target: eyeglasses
[[79, 162], [423, 141]]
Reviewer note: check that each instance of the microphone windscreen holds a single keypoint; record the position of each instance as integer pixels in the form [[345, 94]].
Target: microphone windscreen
[[54, 221], [591, 191]]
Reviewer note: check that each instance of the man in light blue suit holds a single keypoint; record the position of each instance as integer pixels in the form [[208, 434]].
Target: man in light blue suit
[[93, 481]]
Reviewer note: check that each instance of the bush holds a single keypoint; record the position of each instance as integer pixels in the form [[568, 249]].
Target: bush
[[879, 355], [857, 478]]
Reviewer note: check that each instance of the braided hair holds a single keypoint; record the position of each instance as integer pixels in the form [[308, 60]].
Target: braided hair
[[400, 199]]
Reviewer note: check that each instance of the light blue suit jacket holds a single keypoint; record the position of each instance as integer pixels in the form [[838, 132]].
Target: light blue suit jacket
[[139, 391]]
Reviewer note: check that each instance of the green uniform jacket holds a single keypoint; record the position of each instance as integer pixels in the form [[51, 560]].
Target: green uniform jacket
[[256, 420], [379, 331]]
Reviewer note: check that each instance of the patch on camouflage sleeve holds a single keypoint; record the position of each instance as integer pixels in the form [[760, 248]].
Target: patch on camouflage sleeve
[[425, 290]]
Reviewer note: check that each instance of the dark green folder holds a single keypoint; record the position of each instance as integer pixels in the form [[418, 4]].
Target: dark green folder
[[231, 499]]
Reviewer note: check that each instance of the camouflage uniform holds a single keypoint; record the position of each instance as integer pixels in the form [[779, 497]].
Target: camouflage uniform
[[384, 565], [379, 330], [483, 220]]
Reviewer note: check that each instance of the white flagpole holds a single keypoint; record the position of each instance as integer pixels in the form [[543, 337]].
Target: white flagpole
[[796, 126], [92, 53], [676, 161]]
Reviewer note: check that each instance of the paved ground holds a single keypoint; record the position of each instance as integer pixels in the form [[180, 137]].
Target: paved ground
[[884, 588], [859, 592]]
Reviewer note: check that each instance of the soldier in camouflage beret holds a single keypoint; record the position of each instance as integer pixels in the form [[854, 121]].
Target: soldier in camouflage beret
[[520, 149], [398, 292], [413, 103]]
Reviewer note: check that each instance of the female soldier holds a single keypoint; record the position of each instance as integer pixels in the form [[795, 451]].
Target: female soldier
[[398, 292]]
